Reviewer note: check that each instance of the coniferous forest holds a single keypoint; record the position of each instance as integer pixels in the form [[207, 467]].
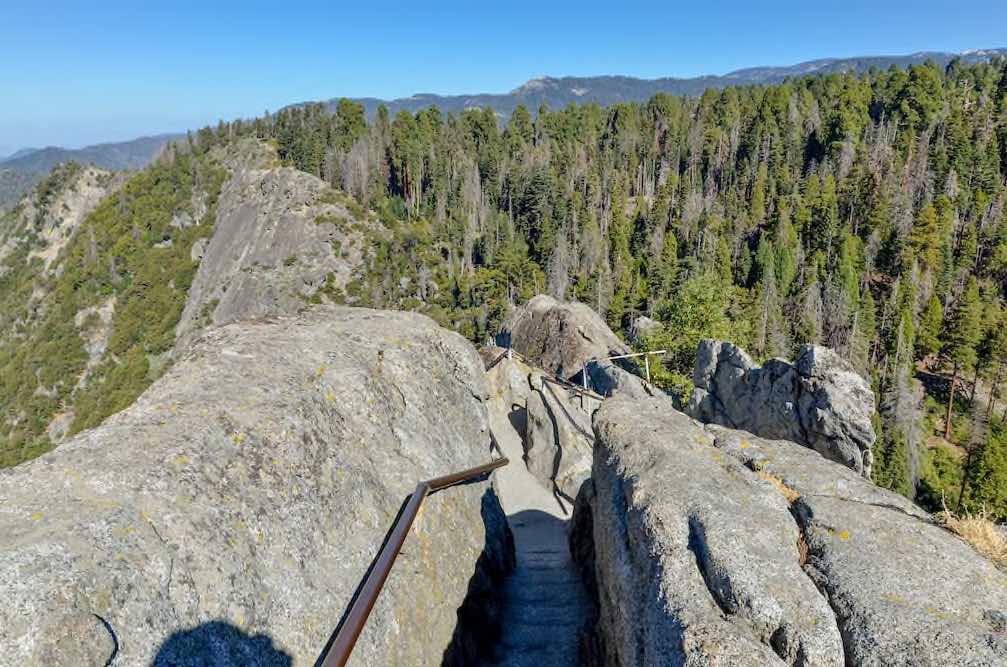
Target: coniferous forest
[[861, 212], [865, 213]]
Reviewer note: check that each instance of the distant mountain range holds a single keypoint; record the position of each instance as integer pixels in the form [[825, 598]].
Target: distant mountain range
[[605, 90], [132, 154], [24, 168], [17, 154]]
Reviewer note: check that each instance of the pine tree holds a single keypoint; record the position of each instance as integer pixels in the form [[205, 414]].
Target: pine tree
[[961, 337], [928, 341]]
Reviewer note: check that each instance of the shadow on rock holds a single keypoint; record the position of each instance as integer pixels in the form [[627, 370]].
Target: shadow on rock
[[219, 644], [480, 614]]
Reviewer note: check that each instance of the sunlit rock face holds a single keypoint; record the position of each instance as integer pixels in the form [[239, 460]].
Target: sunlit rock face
[[227, 516]]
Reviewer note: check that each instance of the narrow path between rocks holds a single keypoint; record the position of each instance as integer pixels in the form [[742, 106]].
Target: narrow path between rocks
[[545, 604]]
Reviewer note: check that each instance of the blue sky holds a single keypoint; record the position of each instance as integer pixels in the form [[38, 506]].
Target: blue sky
[[74, 73]]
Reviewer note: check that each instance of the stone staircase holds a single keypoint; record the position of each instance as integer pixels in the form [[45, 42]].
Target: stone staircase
[[545, 604]]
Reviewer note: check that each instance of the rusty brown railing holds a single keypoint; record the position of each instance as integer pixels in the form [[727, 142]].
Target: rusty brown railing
[[510, 353], [337, 652]]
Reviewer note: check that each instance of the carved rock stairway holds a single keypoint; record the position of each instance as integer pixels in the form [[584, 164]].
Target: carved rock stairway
[[545, 604]]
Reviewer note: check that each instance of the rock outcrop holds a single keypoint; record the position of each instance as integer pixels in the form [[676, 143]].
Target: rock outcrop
[[641, 327], [558, 437], [227, 515], [282, 237], [708, 545], [48, 218], [559, 336], [819, 401], [550, 420]]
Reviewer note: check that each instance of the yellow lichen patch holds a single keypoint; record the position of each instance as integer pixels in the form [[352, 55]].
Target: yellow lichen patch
[[894, 599], [181, 460], [744, 444], [123, 531], [238, 437], [937, 612], [37, 516], [321, 371], [790, 494], [330, 396], [843, 535]]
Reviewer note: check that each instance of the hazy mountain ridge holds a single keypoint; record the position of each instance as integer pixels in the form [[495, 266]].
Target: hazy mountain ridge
[[558, 92], [28, 166]]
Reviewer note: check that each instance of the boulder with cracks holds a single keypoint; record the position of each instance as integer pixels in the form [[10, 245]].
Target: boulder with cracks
[[227, 516], [819, 401], [559, 337], [708, 545]]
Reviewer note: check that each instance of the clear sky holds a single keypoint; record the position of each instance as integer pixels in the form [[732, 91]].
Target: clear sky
[[76, 73]]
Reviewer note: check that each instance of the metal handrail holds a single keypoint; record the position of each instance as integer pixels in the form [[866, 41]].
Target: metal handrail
[[337, 653], [546, 375]]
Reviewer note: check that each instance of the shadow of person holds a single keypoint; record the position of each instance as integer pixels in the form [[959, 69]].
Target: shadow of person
[[219, 644]]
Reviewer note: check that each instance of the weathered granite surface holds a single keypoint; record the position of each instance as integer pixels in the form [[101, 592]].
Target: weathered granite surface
[[558, 437], [559, 336], [281, 238], [552, 421], [697, 561], [819, 401], [904, 590], [227, 516], [711, 546]]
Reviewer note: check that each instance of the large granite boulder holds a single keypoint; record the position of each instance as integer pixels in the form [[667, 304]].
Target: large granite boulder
[[227, 516], [819, 401], [608, 378], [711, 546], [559, 336], [547, 422], [558, 439], [641, 327]]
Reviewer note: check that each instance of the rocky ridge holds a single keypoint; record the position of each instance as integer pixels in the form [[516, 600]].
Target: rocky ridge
[[819, 400], [49, 216], [282, 238], [228, 514], [709, 545], [229, 235]]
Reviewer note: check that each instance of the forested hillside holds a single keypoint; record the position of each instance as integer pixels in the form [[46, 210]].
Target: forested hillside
[[863, 212], [20, 171], [605, 90], [91, 290]]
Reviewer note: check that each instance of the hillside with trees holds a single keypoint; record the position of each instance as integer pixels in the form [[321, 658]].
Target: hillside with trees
[[864, 212]]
